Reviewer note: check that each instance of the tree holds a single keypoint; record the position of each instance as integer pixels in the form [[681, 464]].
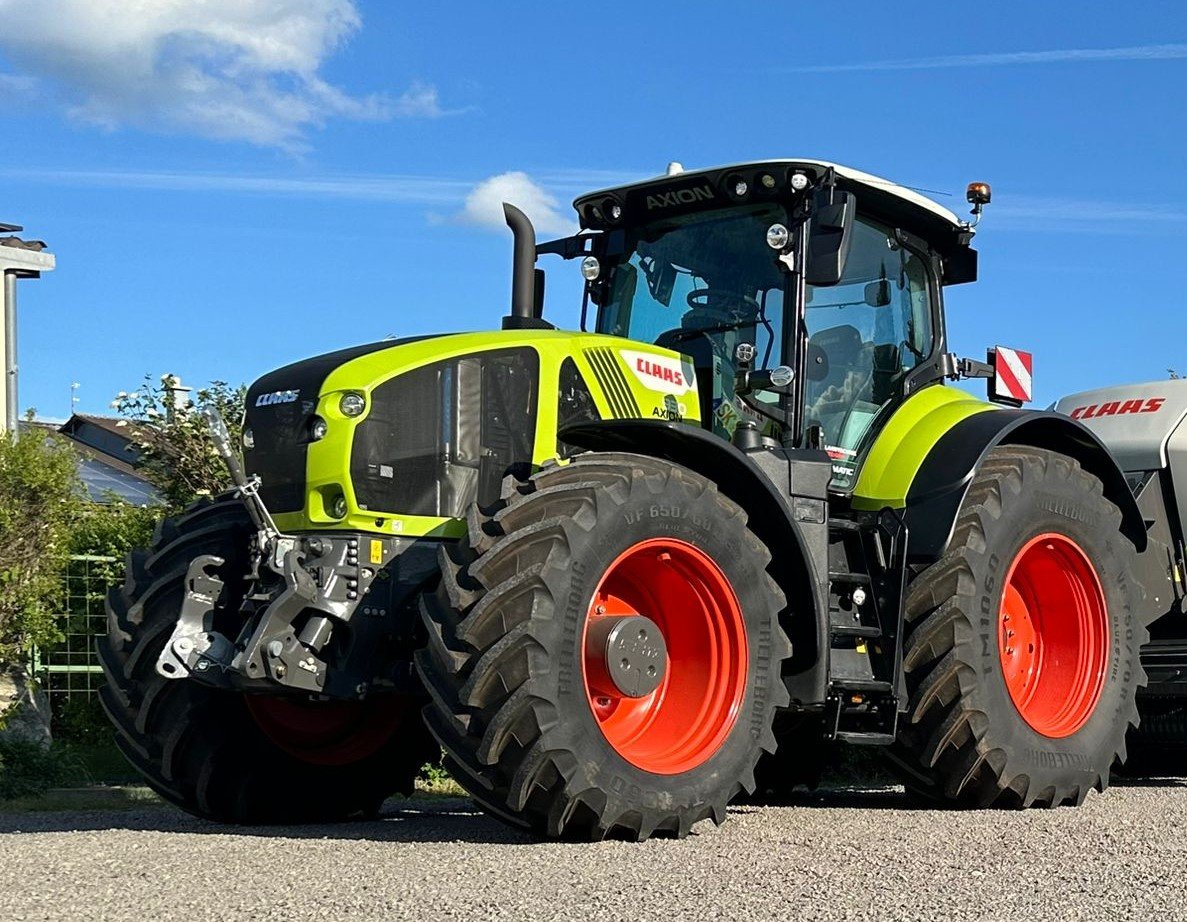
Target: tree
[[176, 451]]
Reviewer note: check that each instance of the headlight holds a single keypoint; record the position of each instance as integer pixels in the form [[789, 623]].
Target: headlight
[[777, 236], [338, 507], [318, 429], [352, 404], [591, 268], [249, 439]]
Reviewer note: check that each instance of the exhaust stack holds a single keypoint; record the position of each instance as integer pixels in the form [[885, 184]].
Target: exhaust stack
[[527, 282]]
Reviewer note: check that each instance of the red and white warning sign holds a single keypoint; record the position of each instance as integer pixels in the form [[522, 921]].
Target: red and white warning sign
[[1012, 374]]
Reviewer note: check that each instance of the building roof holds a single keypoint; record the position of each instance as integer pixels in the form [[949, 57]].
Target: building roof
[[108, 458], [103, 481]]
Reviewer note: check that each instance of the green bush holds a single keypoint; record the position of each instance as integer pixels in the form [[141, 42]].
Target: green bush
[[112, 530], [40, 504], [109, 532], [26, 768]]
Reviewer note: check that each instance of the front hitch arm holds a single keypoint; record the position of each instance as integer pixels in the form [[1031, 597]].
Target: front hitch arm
[[194, 647], [274, 650]]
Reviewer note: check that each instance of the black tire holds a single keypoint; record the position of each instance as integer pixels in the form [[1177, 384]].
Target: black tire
[[505, 631], [199, 747], [963, 739]]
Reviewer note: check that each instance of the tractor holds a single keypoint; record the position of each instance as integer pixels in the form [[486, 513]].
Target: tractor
[[626, 574]]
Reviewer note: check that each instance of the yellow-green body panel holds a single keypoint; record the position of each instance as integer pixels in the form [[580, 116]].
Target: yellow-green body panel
[[626, 379], [900, 448]]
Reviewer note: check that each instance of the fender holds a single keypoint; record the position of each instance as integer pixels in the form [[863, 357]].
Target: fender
[[800, 563], [940, 485]]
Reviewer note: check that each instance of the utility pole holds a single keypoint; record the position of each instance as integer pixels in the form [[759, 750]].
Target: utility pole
[[19, 259]]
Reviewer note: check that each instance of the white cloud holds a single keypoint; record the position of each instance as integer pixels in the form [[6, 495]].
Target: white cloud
[[17, 85], [484, 204], [418, 101], [480, 205], [1090, 216], [408, 189], [1007, 59], [224, 69]]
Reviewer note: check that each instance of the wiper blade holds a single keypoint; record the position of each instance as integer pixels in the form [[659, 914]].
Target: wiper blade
[[718, 328]]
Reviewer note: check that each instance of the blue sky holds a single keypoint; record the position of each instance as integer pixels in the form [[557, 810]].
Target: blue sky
[[236, 184]]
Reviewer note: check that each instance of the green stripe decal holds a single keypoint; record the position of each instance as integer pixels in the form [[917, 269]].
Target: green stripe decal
[[901, 447]]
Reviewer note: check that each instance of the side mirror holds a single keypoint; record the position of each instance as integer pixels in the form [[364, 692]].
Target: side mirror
[[877, 294], [830, 232]]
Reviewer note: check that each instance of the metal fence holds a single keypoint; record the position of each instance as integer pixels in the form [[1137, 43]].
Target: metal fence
[[69, 671]]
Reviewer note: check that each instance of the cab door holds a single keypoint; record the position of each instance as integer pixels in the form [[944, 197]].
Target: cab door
[[865, 336]]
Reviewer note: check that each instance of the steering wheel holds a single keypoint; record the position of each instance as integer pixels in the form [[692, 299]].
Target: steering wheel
[[728, 304]]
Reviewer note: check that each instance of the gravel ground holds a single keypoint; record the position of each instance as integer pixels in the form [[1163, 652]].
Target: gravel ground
[[838, 855]]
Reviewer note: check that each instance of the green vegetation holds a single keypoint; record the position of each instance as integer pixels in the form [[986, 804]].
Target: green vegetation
[[77, 799], [45, 521], [39, 506], [27, 768], [177, 454]]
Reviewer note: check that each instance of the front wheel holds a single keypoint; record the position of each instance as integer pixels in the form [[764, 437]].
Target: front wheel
[[1022, 643], [604, 651], [228, 756]]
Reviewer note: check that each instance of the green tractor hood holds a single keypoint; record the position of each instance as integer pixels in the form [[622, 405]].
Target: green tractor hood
[[442, 420]]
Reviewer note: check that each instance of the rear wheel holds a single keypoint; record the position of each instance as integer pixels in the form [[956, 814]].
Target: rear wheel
[[604, 651], [1021, 652], [1159, 745], [228, 756]]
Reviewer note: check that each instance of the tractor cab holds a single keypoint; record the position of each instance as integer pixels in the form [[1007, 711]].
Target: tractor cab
[[820, 278]]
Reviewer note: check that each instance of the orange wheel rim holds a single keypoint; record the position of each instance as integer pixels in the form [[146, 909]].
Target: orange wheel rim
[[328, 732], [1053, 635], [680, 590]]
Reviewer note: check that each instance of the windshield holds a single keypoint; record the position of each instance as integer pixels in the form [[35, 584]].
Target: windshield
[[701, 284], [700, 274]]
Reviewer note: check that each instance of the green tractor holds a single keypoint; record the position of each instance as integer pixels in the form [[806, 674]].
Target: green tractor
[[625, 575]]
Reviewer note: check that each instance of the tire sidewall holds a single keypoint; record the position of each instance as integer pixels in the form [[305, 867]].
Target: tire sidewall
[[688, 512], [1054, 503]]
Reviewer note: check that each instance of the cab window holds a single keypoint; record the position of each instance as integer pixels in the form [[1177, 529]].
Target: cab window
[[864, 335]]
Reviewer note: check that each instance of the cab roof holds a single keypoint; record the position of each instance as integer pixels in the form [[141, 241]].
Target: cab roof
[[905, 208], [853, 176]]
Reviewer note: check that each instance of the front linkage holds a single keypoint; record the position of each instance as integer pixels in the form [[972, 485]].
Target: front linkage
[[299, 590]]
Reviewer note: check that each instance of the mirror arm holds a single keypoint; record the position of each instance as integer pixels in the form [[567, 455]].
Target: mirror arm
[[567, 247], [956, 368]]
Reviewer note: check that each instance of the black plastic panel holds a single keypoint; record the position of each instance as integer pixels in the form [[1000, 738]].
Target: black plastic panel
[[441, 436], [280, 408]]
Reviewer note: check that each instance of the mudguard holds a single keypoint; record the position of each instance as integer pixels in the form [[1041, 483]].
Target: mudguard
[[939, 486], [786, 503]]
